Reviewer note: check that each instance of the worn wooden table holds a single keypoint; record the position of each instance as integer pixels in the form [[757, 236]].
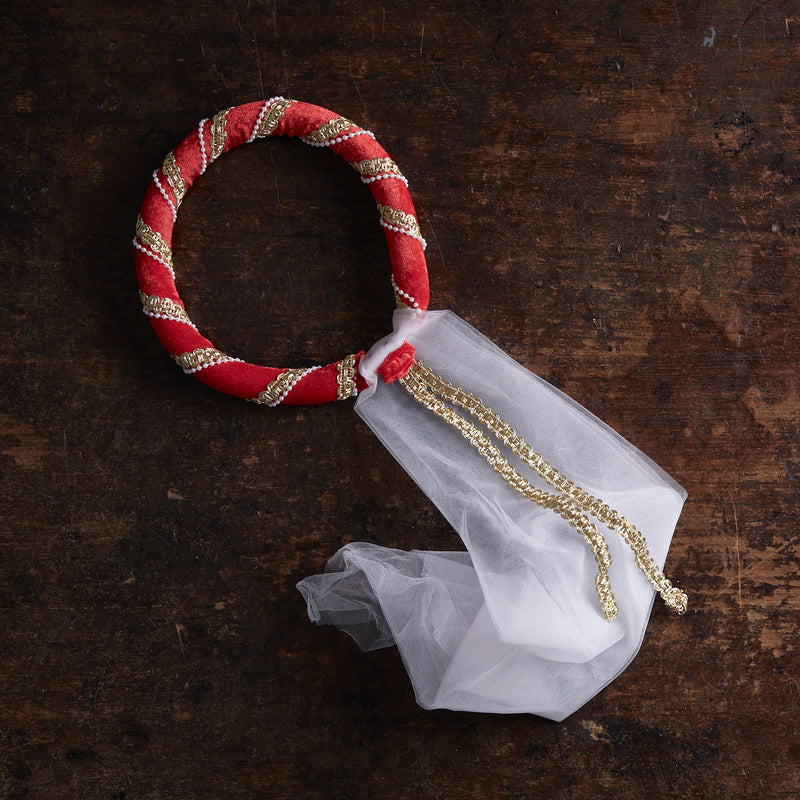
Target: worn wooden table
[[610, 191]]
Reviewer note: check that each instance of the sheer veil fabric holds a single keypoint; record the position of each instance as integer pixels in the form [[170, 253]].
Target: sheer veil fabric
[[513, 624]]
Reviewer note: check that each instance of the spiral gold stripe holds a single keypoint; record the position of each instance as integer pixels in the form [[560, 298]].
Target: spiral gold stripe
[[376, 166], [173, 172], [276, 388], [330, 130], [155, 306], [219, 134], [273, 117], [406, 222], [154, 240], [201, 358], [346, 378]]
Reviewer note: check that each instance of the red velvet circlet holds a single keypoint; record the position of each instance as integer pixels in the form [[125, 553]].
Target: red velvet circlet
[[189, 160]]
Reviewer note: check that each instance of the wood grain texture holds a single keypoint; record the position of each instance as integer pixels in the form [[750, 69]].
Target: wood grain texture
[[609, 190]]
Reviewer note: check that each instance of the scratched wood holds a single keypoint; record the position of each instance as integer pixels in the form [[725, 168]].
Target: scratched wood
[[610, 191]]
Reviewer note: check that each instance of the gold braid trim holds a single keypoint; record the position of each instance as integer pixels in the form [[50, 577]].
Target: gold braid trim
[[173, 172], [163, 307], [406, 222], [274, 391], [346, 377], [218, 134], [200, 359], [330, 130], [376, 166], [273, 117], [153, 240], [416, 384], [672, 596], [425, 384]]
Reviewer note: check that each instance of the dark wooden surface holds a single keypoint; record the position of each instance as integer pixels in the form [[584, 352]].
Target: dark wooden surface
[[610, 192]]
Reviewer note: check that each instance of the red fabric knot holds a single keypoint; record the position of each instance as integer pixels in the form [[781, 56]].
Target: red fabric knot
[[397, 363]]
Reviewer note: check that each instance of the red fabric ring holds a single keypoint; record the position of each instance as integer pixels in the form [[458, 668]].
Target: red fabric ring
[[160, 300]]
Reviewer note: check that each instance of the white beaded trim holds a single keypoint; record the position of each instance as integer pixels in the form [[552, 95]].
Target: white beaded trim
[[165, 195], [406, 296], [148, 252], [170, 317], [202, 145], [212, 363], [384, 176], [291, 386], [406, 232], [261, 115], [329, 142]]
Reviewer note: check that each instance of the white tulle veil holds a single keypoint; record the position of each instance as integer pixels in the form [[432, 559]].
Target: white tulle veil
[[513, 624]]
